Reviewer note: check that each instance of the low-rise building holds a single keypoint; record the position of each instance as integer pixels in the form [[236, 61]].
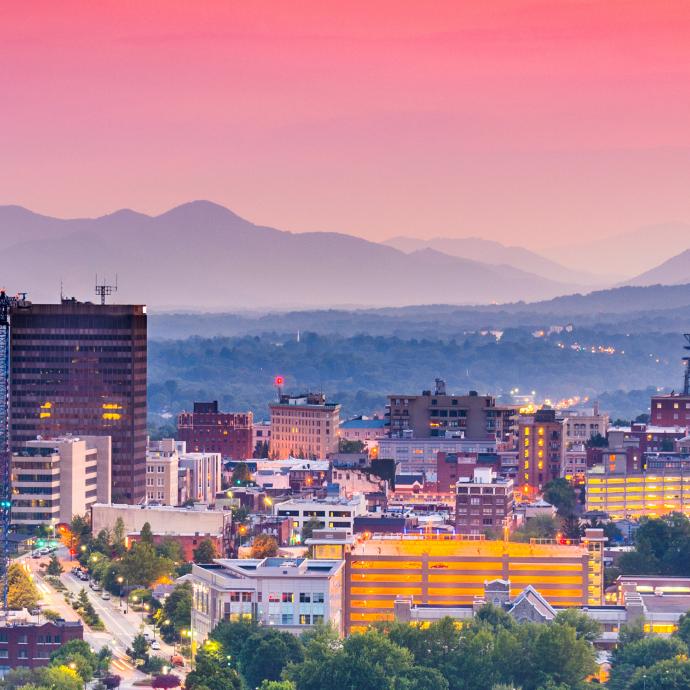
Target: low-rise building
[[420, 454], [579, 426], [330, 513], [29, 645], [55, 479], [288, 594], [363, 429], [165, 521], [484, 502]]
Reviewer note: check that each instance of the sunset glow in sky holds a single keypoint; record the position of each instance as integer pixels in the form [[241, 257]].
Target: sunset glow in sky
[[508, 119]]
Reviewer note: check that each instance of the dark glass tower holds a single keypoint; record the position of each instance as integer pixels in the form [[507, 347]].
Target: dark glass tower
[[80, 368]]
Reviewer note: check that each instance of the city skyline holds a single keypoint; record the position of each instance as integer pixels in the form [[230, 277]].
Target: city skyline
[[523, 122]]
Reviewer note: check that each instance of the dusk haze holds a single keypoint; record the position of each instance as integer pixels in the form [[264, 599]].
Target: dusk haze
[[345, 346]]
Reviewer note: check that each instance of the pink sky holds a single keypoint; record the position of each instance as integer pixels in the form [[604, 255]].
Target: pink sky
[[514, 120]]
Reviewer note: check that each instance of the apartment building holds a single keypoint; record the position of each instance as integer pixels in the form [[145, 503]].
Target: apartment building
[[289, 594], [484, 502], [331, 513], [540, 450], [53, 480], [581, 425], [162, 472], [670, 410], [471, 416], [304, 426]]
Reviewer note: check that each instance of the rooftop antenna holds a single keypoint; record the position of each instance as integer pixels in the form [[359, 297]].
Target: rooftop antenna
[[103, 289], [686, 360]]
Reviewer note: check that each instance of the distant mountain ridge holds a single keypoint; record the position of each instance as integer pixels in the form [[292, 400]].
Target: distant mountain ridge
[[674, 271], [492, 252], [202, 256]]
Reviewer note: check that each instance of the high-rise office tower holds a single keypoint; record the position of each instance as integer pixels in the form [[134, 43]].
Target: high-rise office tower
[[80, 368]]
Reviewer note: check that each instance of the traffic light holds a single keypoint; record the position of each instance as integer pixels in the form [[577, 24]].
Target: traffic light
[[5, 504]]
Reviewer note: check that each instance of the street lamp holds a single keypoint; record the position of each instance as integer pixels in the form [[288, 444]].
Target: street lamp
[[120, 580]]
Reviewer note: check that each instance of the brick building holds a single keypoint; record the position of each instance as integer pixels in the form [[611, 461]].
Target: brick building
[[484, 502], [670, 410], [29, 645], [206, 430]]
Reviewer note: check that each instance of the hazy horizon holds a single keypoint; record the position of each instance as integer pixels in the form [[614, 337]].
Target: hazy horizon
[[526, 122]]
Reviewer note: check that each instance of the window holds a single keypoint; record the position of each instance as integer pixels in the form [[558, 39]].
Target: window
[[304, 619], [23, 654], [304, 597], [288, 597], [23, 639], [286, 619], [274, 596], [318, 597], [4, 654], [317, 619]]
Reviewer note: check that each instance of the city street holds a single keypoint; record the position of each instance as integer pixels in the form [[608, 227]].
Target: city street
[[120, 628]]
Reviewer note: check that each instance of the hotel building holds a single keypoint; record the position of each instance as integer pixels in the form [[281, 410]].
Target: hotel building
[[540, 450], [450, 570], [162, 472], [304, 426]]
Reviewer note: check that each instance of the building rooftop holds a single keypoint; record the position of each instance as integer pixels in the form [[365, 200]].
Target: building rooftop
[[363, 424]]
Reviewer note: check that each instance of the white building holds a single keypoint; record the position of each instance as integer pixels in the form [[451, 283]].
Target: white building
[[54, 480], [291, 595], [332, 513], [581, 425], [205, 471]]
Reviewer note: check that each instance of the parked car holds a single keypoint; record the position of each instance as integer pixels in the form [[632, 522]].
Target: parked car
[[95, 586], [155, 644], [83, 576], [105, 595], [35, 554]]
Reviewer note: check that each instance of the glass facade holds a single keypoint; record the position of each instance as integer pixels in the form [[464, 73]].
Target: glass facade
[[80, 368]]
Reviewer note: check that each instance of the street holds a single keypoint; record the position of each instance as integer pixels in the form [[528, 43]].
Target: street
[[121, 628]]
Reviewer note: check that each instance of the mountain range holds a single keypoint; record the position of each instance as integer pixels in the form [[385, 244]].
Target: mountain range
[[491, 252], [202, 256]]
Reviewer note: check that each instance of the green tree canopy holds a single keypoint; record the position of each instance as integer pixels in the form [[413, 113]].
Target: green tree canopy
[[560, 493], [22, 593], [264, 546], [205, 552]]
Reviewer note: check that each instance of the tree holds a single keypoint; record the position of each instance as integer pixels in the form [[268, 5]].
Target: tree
[[139, 648], [597, 441], [241, 474], [642, 653], [165, 680], [171, 549], [308, 528], [111, 681], [345, 446], [54, 568], [540, 527], [266, 653], [141, 565], [264, 546], [277, 685], [560, 493], [79, 532], [670, 674], [22, 593], [77, 654], [586, 628], [146, 535], [212, 671], [59, 678], [119, 535], [205, 552], [571, 528], [177, 609]]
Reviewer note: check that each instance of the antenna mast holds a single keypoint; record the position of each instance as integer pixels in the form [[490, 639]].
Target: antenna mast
[[103, 289], [686, 360]]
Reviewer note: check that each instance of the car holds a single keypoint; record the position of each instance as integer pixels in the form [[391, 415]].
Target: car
[[83, 576], [44, 551], [35, 611], [105, 596], [155, 644], [35, 554], [95, 586]]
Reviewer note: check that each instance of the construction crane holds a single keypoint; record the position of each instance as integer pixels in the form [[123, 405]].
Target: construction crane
[[7, 304]]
